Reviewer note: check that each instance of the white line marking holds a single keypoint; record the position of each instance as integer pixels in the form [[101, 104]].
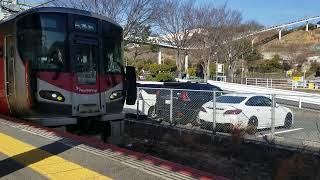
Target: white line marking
[[280, 132], [289, 130]]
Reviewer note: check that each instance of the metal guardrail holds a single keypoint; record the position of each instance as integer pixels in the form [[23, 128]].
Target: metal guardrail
[[293, 98], [277, 83], [271, 83]]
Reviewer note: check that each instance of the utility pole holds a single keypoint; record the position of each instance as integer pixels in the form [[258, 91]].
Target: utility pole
[[242, 71]]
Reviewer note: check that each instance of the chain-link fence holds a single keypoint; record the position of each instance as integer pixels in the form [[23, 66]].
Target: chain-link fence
[[254, 116]]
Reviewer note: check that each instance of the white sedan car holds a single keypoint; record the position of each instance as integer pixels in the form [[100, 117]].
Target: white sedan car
[[245, 112], [146, 103]]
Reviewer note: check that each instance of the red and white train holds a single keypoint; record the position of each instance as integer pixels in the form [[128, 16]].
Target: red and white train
[[61, 65]]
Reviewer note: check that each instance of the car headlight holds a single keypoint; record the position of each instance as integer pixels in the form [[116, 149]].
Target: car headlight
[[52, 95], [116, 95]]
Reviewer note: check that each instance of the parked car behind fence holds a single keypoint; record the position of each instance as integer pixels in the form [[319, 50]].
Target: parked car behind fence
[[185, 100], [244, 111]]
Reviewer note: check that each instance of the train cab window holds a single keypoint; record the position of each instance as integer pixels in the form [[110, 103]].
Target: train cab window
[[85, 63], [112, 48], [42, 41], [113, 57]]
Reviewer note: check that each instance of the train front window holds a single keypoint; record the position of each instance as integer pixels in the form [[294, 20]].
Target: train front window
[[113, 57], [42, 41], [112, 48], [85, 63]]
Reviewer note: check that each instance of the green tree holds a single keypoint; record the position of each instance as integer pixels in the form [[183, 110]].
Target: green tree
[[192, 71], [164, 77], [275, 62], [154, 68], [213, 69], [165, 68], [272, 65], [253, 55], [154, 48], [172, 65]]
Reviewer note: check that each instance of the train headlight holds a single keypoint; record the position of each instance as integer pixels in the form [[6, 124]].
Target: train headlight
[[116, 95], [52, 95]]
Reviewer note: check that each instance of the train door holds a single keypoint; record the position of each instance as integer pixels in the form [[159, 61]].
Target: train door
[[9, 56], [86, 96]]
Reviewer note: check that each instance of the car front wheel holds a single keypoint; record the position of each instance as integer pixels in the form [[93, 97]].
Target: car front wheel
[[152, 114], [288, 121]]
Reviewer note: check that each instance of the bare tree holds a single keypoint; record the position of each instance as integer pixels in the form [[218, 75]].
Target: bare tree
[[233, 47], [134, 15], [232, 52], [209, 20], [176, 23], [216, 29]]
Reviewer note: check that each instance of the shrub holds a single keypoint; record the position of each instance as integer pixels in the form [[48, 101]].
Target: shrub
[[150, 78], [192, 71], [272, 65], [164, 77], [154, 68]]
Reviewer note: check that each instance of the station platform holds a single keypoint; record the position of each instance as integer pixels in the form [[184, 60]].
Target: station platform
[[28, 151]]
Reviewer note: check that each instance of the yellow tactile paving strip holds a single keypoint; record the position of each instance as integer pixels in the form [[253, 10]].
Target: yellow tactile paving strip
[[48, 165]]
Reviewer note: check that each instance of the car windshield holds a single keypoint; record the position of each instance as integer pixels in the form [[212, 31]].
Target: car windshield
[[230, 99]]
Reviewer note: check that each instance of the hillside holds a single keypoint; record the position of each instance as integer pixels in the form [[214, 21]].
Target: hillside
[[296, 43]]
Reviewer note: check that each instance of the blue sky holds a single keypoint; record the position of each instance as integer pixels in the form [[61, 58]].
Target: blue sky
[[266, 12], [272, 12]]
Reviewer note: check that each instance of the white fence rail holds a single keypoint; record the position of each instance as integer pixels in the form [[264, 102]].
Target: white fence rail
[[276, 83], [270, 83], [294, 98]]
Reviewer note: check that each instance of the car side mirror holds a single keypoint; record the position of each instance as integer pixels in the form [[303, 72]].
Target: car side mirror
[[131, 85]]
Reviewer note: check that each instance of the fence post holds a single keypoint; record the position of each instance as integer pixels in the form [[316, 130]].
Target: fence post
[[271, 83], [256, 81], [267, 83], [138, 103], [214, 113], [171, 106], [273, 115], [292, 85], [246, 81], [300, 102]]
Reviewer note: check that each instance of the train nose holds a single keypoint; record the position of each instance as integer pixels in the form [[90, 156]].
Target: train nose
[[88, 108], [85, 105]]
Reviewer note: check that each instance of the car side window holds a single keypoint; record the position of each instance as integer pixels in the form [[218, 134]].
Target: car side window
[[251, 102], [266, 101], [259, 101]]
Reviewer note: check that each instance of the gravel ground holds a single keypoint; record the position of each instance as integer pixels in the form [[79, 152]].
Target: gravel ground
[[230, 158]]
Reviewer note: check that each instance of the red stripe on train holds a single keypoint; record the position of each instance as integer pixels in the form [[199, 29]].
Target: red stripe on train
[[4, 105], [68, 82]]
